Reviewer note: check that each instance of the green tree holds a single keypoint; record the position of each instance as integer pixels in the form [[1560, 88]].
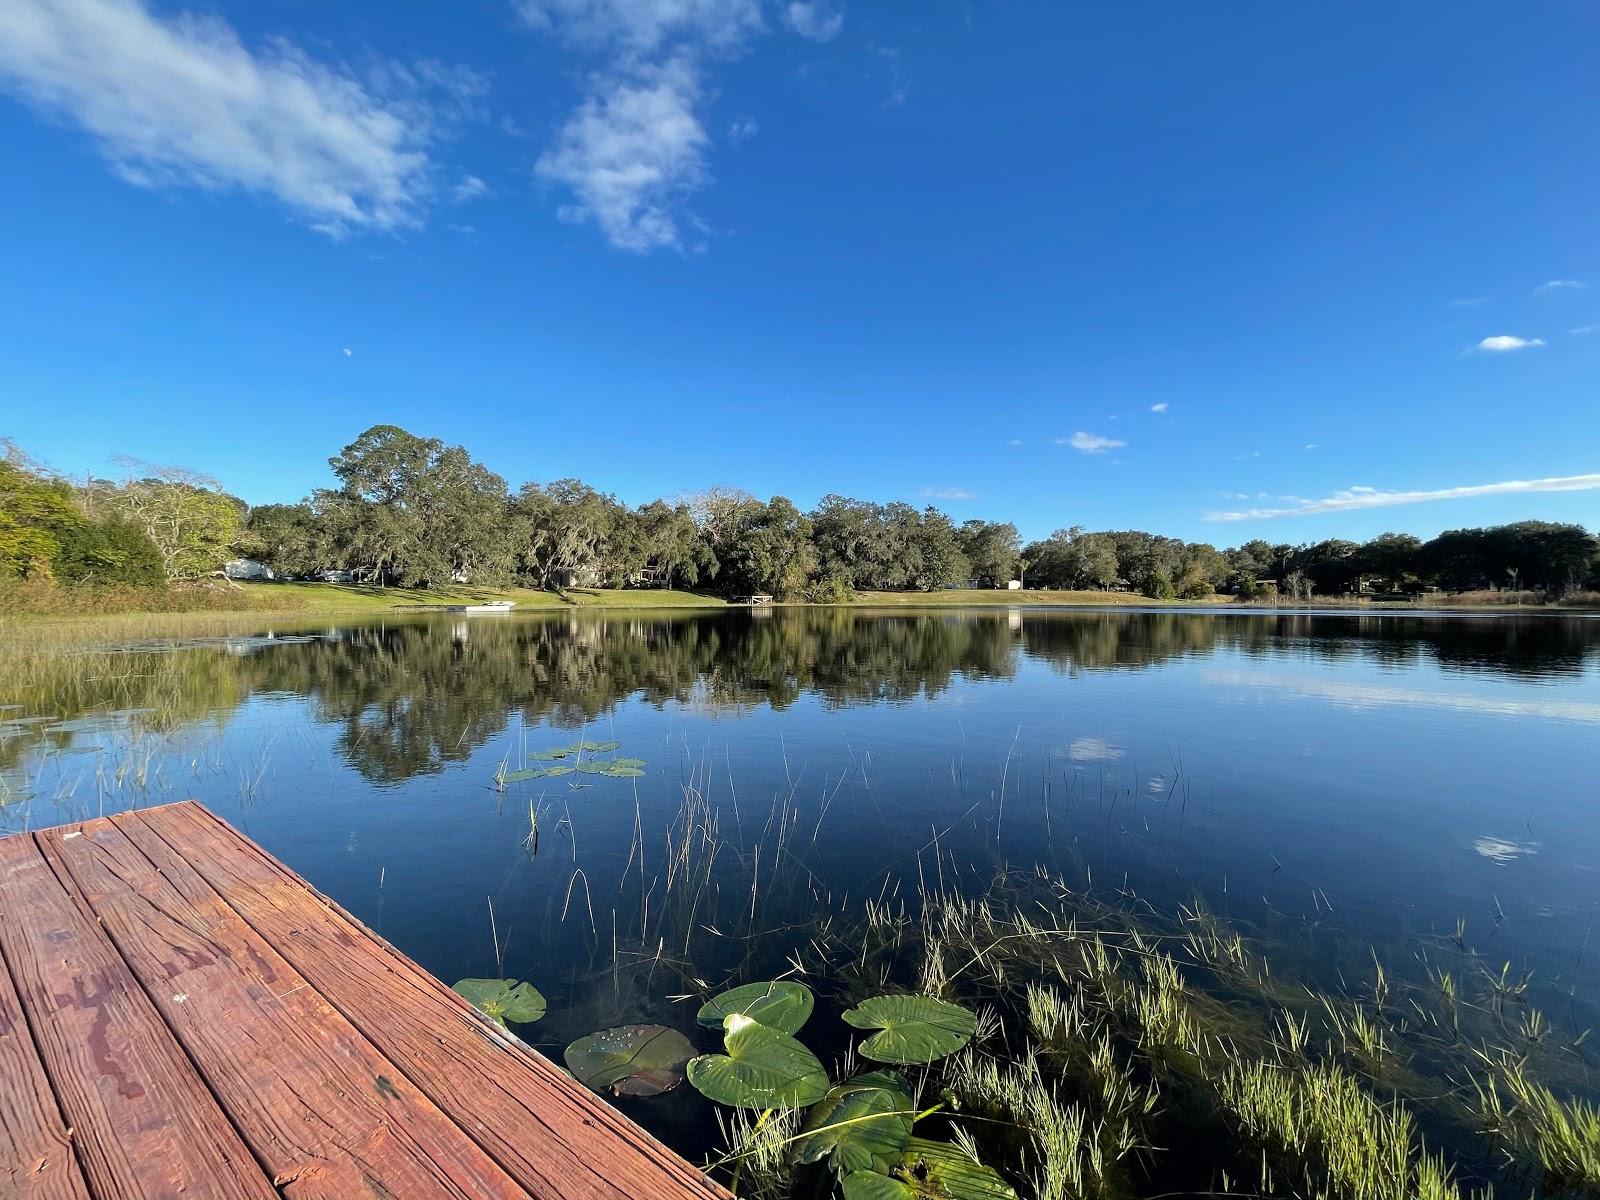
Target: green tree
[[768, 549], [34, 513], [992, 550], [191, 521], [416, 508]]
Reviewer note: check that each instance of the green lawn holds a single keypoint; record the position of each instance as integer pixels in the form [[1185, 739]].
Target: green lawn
[[979, 596], [312, 597]]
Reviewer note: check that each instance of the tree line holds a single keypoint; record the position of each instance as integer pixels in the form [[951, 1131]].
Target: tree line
[[413, 511]]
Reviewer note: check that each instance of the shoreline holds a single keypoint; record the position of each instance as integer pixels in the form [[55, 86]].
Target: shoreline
[[349, 602]]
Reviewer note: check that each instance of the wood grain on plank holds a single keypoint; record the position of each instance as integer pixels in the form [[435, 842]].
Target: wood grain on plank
[[144, 1125], [327, 1115], [36, 1160], [555, 1137]]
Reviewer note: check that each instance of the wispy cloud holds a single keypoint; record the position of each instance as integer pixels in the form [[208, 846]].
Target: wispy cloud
[[899, 84], [1368, 497], [1469, 302], [182, 101], [1090, 443], [630, 154], [635, 150], [813, 19], [742, 129], [470, 188], [1586, 330], [644, 26], [1159, 408], [948, 493], [1505, 343], [1310, 446], [1560, 285]]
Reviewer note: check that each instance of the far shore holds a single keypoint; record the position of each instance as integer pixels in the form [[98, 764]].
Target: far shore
[[302, 601]]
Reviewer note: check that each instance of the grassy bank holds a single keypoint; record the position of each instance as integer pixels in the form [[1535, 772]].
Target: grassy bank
[[974, 597], [341, 598]]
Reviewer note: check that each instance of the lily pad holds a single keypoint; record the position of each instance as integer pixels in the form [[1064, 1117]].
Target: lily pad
[[915, 1029], [631, 1060], [761, 1069], [869, 1185], [782, 1005], [940, 1171], [617, 772], [627, 762], [503, 1000], [534, 773], [547, 755], [853, 1124], [596, 747]]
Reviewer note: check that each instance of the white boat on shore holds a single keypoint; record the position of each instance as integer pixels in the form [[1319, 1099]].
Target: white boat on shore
[[488, 606]]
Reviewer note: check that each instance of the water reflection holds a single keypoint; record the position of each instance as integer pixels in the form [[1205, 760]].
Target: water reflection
[[413, 696]]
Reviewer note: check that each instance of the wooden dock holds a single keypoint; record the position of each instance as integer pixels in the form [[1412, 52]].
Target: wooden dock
[[183, 1016]]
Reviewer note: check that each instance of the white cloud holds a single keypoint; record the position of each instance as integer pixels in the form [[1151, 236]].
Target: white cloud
[[470, 188], [645, 26], [1310, 446], [1469, 302], [1559, 285], [182, 101], [1368, 497], [899, 85], [1585, 330], [347, 351], [635, 149], [1159, 408], [931, 493], [1090, 443], [813, 19], [1505, 343], [631, 153]]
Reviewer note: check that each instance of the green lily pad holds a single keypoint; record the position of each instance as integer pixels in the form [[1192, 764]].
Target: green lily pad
[[631, 1060], [853, 1124], [940, 1171], [869, 1185], [761, 1069], [627, 762], [547, 755], [592, 768], [596, 747], [617, 772], [915, 1029], [503, 1000], [783, 1005], [534, 773]]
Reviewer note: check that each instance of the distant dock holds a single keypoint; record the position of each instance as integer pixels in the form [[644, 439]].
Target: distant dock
[[182, 1015]]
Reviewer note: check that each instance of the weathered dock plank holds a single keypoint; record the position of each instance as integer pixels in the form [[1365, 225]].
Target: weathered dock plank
[[144, 1125], [325, 1113], [554, 1137], [36, 1160], [183, 1016]]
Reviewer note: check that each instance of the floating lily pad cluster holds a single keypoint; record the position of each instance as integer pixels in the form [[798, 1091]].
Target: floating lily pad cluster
[[863, 1125], [559, 764]]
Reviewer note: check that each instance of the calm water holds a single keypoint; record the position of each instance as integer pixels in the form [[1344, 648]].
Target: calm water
[[1330, 783]]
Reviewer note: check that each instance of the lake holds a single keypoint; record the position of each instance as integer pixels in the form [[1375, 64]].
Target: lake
[[1339, 790]]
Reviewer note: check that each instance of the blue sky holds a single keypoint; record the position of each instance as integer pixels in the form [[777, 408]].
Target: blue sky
[[1112, 264]]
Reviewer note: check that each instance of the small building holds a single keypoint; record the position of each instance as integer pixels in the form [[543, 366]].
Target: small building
[[246, 568], [1013, 585]]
